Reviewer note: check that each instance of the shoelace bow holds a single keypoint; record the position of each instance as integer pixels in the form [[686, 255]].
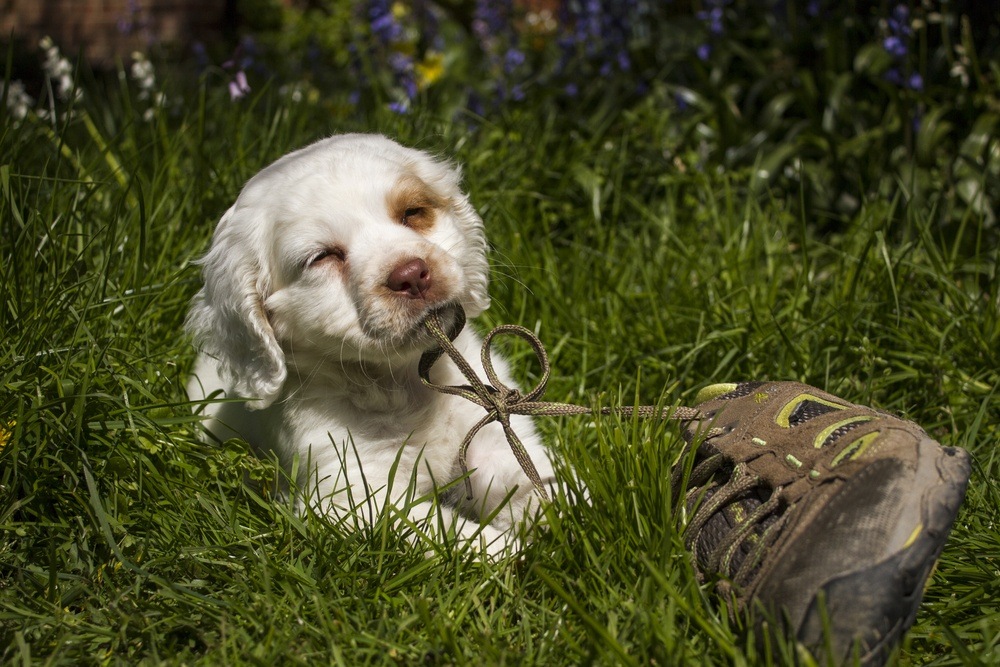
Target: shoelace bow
[[501, 401]]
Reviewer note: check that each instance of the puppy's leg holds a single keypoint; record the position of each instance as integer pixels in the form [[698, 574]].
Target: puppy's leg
[[439, 522], [349, 494], [496, 474]]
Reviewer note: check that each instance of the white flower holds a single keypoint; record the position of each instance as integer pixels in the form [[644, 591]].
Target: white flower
[[144, 75], [293, 91], [542, 22], [18, 101], [142, 71], [58, 69]]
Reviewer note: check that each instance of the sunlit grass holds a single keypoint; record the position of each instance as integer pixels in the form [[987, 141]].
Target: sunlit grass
[[124, 539]]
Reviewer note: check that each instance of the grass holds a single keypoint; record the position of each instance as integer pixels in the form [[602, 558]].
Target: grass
[[125, 540]]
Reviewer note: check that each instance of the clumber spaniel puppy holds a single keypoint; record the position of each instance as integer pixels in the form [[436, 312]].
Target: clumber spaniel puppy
[[315, 291]]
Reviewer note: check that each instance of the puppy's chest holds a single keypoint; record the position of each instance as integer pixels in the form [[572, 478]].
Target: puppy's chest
[[447, 423], [418, 419]]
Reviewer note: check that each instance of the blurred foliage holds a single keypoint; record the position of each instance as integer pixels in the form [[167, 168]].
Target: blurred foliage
[[838, 103], [834, 104]]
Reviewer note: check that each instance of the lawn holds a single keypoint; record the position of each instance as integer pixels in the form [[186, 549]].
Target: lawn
[[649, 260]]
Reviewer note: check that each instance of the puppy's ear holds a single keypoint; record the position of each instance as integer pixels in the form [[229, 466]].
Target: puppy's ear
[[227, 318], [474, 262]]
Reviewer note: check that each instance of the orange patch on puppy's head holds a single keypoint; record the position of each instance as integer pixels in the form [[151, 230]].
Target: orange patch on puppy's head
[[412, 203]]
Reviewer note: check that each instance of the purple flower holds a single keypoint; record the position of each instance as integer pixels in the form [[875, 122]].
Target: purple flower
[[712, 18], [493, 26], [314, 52], [409, 87], [238, 86], [200, 55], [894, 46], [128, 22], [383, 24], [399, 107], [492, 20], [400, 62], [600, 31], [475, 103], [624, 62], [703, 51], [513, 59], [899, 21], [243, 56]]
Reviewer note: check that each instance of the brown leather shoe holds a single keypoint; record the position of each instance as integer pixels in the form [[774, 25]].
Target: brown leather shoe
[[816, 517]]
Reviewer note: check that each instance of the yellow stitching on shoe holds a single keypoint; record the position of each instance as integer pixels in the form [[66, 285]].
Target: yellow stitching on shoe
[[760, 397], [825, 433], [760, 442], [794, 461], [855, 449], [913, 536], [786, 412]]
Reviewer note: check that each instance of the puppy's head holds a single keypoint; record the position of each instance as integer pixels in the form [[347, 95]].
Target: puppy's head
[[335, 254]]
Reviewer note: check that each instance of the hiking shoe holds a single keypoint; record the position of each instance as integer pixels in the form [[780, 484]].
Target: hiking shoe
[[820, 518]]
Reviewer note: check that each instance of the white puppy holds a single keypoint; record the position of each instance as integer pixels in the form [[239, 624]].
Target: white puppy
[[316, 287]]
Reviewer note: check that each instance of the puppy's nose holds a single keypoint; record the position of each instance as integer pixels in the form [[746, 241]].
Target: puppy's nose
[[411, 278]]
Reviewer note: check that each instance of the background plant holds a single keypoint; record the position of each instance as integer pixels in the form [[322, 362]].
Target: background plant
[[837, 103]]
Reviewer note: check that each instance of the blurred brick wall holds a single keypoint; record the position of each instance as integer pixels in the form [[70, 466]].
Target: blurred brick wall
[[104, 30]]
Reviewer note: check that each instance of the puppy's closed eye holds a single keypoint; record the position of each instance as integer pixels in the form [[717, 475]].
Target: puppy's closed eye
[[332, 254], [413, 204], [417, 217]]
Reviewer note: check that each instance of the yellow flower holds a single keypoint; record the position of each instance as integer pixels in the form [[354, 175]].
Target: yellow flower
[[5, 432], [430, 69]]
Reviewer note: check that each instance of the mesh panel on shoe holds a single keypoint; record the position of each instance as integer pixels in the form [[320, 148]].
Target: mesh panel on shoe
[[742, 389], [843, 430], [807, 409]]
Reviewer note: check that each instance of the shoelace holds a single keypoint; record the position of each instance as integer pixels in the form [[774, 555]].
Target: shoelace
[[720, 559], [501, 401]]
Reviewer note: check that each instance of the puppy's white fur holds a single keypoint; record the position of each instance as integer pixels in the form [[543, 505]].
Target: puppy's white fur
[[315, 289]]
